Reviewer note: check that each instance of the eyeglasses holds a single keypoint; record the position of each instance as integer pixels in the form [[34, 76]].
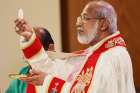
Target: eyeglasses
[[86, 18]]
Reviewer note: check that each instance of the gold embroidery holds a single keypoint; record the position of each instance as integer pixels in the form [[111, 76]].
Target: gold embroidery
[[83, 80], [114, 42]]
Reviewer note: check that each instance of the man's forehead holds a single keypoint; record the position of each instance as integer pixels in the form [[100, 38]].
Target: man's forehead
[[88, 9]]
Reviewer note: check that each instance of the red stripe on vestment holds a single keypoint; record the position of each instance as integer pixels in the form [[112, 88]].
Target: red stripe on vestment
[[32, 49], [56, 85]]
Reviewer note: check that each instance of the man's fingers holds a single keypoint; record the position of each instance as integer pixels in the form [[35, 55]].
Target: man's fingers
[[23, 27], [17, 20], [19, 24], [35, 77]]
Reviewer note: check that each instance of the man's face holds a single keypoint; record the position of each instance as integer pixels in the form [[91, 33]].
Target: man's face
[[87, 26]]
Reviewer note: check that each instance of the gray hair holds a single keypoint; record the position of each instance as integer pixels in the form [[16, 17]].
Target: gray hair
[[105, 10]]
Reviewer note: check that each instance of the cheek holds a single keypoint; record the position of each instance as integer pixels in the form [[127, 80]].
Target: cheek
[[88, 28]]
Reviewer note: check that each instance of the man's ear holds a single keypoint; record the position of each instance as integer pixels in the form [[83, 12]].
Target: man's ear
[[103, 24]]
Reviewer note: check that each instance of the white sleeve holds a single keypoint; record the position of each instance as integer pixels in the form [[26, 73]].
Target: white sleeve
[[113, 73], [35, 54], [38, 58]]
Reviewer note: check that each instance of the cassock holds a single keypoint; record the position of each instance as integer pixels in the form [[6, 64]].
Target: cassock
[[103, 68]]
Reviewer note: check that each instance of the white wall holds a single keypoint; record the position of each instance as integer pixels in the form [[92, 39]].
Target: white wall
[[44, 13]]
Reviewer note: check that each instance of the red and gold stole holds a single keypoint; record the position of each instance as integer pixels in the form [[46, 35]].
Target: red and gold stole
[[83, 80]]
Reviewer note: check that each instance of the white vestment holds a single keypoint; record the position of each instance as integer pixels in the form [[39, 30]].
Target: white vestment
[[113, 72]]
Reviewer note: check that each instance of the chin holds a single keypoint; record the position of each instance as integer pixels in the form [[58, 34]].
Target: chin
[[87, 38], [83, 40]]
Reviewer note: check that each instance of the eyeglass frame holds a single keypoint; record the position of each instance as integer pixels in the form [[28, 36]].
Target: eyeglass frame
[[85, 18]]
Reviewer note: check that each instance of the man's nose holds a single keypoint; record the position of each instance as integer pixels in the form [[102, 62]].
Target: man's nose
[[79, 22]]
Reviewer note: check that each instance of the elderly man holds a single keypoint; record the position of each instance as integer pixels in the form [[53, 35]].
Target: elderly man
[[105, 67]]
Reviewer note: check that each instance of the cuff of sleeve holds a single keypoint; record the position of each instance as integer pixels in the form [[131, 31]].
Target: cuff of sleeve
[[24, 44], [31, 47]]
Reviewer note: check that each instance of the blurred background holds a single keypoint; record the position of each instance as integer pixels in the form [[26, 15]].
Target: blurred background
[[45, 13], [59, 17]]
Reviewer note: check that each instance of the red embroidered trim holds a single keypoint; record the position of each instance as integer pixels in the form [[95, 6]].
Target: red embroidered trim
[[56, 85], [33, 49]]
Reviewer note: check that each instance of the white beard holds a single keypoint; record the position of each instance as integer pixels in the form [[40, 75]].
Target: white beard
[[86, 39]]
